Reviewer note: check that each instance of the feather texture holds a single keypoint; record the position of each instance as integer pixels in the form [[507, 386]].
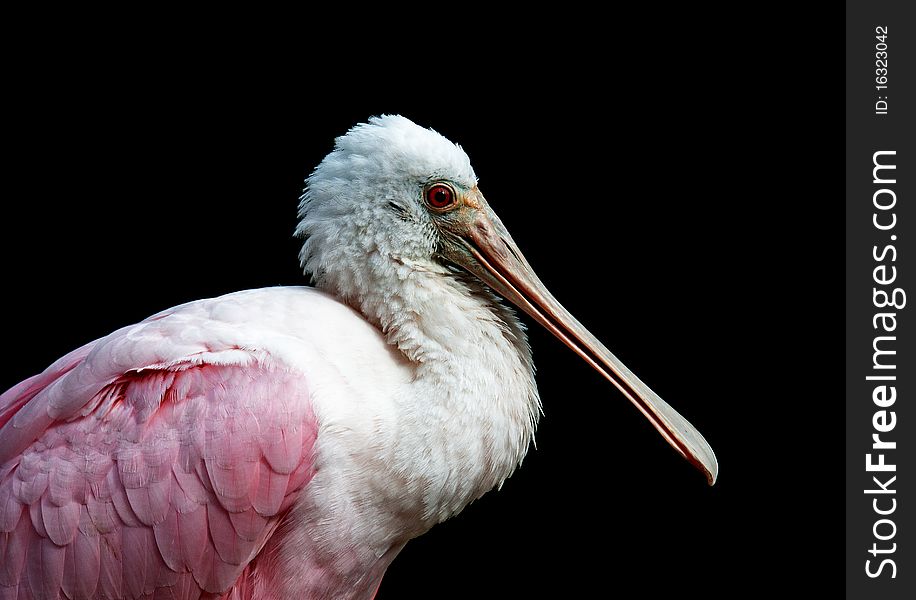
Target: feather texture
[[159, 480]]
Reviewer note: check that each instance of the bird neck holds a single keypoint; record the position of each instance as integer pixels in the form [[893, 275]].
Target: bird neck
[[470, 413]]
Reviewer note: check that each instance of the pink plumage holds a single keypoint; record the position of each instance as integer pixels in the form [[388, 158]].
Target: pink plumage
[[141, 481]]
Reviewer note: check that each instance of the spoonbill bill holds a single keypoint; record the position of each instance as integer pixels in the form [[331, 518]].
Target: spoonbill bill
[[287, 442]]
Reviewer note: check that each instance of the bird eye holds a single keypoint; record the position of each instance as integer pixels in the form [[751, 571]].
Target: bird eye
[[440, 196]]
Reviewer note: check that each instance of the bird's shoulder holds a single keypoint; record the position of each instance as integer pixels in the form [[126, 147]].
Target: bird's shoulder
[[161, 456], [300, 327]]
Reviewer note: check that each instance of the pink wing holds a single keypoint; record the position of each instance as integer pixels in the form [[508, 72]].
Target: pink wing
[[159, 482]]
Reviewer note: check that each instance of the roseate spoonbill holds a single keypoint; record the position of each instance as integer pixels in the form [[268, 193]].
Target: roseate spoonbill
[[287, 442]]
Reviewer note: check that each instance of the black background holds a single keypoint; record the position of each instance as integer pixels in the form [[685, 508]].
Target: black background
[[674, 185]]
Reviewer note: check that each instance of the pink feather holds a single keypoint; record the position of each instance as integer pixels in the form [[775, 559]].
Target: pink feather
[[123, 479]]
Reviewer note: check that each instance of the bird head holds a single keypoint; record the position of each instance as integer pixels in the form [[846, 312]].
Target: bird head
[[404, 199], [382, 191]]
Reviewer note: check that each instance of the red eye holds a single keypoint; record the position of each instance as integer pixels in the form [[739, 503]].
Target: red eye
[[440, 196]]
